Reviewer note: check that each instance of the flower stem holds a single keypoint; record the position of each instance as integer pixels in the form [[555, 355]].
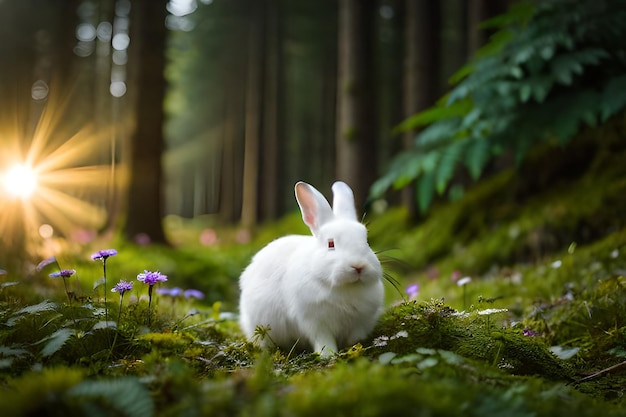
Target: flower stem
[[149, 302], [69, 297], [117, 326], [104, 273], [464, 297]]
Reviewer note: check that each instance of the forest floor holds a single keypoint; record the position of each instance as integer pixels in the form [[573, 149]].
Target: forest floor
[[519, 310]]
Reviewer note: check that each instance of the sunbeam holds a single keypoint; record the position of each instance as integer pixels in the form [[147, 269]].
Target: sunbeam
[[58, 176]]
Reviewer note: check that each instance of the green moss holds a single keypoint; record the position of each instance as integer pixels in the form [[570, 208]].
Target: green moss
[[523, 214], [408, 326], [39, 393]]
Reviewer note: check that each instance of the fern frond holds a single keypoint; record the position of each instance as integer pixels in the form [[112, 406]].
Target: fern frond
[[55, 341], [125, 396], [553, 67]]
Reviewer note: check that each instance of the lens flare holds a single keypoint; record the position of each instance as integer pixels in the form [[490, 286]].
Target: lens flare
[[55, 173], [20, 181]]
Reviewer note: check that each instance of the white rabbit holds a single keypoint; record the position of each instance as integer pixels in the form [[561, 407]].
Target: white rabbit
[[324, 291]]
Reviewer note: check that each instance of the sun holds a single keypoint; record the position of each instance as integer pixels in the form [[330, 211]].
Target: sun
[[58, 181], [20, 181]]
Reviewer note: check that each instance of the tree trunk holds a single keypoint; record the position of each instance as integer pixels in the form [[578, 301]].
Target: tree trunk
[[453, 44], [273, 138], [420, 71], [477, 12], [254, 115], [228, 208], [145, 206], [356, 118]]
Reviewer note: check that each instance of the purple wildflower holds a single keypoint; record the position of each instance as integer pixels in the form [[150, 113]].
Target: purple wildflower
[[122, 287], [151, 278], [64, 273], [103, 254], [528, 332], [172, 292], [412, 291], [41, 265], [191, 293]]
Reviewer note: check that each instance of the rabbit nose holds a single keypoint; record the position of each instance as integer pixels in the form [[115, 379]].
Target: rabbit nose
[[357, 268]]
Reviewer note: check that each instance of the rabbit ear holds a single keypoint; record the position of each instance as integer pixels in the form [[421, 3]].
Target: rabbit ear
[[343, 201], [315, 209]]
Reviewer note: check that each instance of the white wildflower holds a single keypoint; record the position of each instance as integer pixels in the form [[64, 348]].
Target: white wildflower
[[490, 311], [464, 281]]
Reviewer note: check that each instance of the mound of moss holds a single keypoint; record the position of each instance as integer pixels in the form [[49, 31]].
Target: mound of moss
[[476, 335]]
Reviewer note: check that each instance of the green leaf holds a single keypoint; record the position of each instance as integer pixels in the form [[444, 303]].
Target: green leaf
[[386, 357], [7, 351], [42, 307], [476, 157], [517, 72], [104, 325], [397, 173], [461, 73], [45, 305], [438, 134], [125, 396], [525, 92], [613, 97], [471, 118], [518, 13], [425, 191], [540, 87], [99, 282], [547, 52], [447, 163], [55, 341], [565, 66], [380, 186], [433, 114]]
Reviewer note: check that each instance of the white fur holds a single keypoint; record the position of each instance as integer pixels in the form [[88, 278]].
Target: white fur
[[308, 295]]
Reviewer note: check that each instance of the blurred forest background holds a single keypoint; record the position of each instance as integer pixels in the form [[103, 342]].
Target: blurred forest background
[[134, 110], [256, 95]]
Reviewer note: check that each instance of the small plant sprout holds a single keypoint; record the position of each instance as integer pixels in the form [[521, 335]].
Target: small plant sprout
[[463, 283], [151, 278], [65, 274], [103, 255]]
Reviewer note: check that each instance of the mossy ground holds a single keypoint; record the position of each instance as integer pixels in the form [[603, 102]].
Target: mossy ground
[[547, 259]]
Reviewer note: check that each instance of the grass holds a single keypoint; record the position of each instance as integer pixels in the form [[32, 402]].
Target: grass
[[539, 330]]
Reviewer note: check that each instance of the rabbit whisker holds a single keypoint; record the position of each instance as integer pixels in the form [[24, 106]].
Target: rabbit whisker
[[393, 281]]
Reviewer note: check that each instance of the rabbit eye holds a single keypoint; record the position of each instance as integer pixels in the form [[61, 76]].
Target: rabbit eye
[[331, 244]]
